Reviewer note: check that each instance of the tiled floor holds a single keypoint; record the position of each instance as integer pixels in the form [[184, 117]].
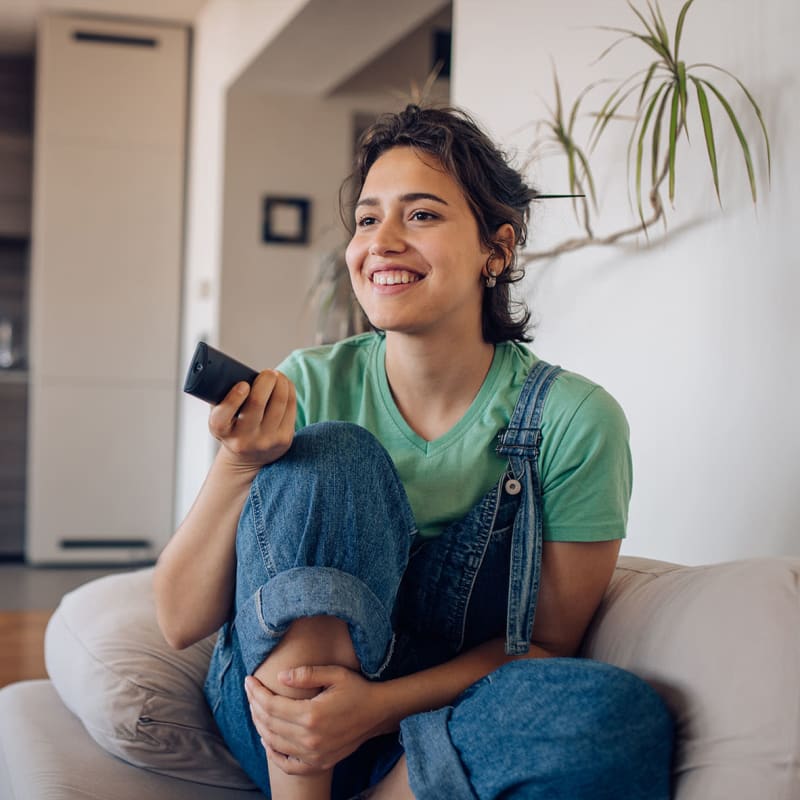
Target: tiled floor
[[25, 588]]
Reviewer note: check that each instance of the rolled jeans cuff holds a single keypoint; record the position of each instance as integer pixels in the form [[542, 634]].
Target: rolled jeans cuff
[[434, 766], [309, 592]]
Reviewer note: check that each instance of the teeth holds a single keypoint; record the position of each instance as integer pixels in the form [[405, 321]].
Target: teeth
[[394, 277]]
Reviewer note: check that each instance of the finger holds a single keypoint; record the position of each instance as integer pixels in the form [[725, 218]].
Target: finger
[[274, 713], [252, 411], [310, 677], [290, 765], [278, 402], [290, 748], [290, 413], [279, 713], [278, 710], [222, 417], [288, 730], [258, 696]]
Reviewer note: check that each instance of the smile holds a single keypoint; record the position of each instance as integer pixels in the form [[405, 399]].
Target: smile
[[394, 277]]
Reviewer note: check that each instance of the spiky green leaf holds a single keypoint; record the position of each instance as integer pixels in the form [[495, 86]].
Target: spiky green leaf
[[559, 112], [587, 171], [679, 26], [572, 172], [658, 23], [629, 35], [755, 108], [708, 131], [683, 93], [655, 146], [651, 31], [654, 43], [603, 117], [640, 148], [673, 144], [740, 135], [646, 84]]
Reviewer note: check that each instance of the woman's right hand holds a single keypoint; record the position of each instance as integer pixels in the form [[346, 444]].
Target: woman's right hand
[[263, 429]]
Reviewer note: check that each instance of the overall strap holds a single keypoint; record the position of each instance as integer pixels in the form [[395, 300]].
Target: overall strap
[[520, 443]]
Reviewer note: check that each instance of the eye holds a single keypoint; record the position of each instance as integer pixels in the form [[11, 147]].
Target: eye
[[423, 216], [364, 222]]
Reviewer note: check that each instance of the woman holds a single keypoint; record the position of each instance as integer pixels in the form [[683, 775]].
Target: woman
[[411, 530]]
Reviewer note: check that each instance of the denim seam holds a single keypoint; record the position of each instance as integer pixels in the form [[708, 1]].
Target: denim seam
[[259, 526], [486, 539], [458, 615]]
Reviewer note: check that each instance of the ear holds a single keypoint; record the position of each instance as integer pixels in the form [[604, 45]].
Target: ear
[[504, 240]]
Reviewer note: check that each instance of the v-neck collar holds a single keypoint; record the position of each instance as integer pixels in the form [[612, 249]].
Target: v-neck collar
[[479, 402]]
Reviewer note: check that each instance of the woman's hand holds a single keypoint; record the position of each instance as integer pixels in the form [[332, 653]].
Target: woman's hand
[[306, 736], [255, 424]]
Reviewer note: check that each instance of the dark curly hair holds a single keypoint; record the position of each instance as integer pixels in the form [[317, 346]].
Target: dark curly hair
[[495, 191]]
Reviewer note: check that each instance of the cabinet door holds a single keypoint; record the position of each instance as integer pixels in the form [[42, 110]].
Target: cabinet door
[[105, 288]]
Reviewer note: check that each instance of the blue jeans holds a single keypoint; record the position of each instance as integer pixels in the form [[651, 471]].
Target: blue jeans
[[328, 529]]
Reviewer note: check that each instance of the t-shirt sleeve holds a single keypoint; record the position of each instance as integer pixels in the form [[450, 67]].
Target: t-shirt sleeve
[[586, 470]]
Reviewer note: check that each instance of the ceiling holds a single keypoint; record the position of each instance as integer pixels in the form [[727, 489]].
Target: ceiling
[[18, 17]]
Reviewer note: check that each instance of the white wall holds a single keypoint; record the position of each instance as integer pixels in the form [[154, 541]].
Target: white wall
[[696, 336]]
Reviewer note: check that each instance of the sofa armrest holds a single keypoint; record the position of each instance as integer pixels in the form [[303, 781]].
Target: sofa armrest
[[721, 644]]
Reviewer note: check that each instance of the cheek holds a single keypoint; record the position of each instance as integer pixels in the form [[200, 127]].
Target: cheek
[[354, 256]]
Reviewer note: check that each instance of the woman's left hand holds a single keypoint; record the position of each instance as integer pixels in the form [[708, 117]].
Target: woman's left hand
[[307, 736]]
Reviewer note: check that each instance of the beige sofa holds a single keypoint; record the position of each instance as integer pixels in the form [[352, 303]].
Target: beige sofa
[[123, 717]]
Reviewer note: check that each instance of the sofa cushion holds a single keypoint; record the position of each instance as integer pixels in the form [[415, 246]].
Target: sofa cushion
[[137, 697], [721, 644], [45, 754]]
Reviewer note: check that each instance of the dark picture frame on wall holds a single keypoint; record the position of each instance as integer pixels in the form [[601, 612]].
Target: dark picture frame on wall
[[286, 220]]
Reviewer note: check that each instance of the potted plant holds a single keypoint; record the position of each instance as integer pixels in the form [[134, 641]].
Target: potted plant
[[656, 101]]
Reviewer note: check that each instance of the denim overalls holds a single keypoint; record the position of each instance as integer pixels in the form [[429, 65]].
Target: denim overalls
[[328, 529]]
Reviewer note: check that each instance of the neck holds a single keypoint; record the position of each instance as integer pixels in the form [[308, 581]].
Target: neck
[[434, 379]]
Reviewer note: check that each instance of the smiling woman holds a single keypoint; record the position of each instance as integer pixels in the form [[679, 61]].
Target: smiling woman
[[409, 531], [416, 260], [449, 142]]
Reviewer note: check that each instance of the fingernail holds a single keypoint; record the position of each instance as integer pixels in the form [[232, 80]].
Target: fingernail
[[285, 676], [247, 682]]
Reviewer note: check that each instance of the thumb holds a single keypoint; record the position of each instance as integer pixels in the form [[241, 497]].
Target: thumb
[[309, 677]]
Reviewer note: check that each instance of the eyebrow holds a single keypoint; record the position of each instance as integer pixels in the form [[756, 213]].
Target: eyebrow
[[410, 197]]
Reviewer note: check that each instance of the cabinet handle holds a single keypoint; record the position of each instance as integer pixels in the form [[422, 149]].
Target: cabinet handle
[[114, 38]]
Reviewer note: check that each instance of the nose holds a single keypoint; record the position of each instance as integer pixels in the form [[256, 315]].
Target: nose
[[386, 238]]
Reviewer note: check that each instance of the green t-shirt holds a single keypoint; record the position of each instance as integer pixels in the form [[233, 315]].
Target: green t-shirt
[[584, 460]]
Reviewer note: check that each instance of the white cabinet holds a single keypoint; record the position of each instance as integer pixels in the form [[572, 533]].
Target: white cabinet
[[109, 153]]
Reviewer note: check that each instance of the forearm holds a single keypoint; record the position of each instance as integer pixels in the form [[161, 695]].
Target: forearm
[[438, 686], [194, 577]]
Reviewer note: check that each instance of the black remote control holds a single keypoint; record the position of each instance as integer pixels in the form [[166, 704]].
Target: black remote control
[[212, 374]]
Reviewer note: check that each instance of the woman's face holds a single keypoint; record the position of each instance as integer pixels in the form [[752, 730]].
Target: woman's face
[[416, 259]]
